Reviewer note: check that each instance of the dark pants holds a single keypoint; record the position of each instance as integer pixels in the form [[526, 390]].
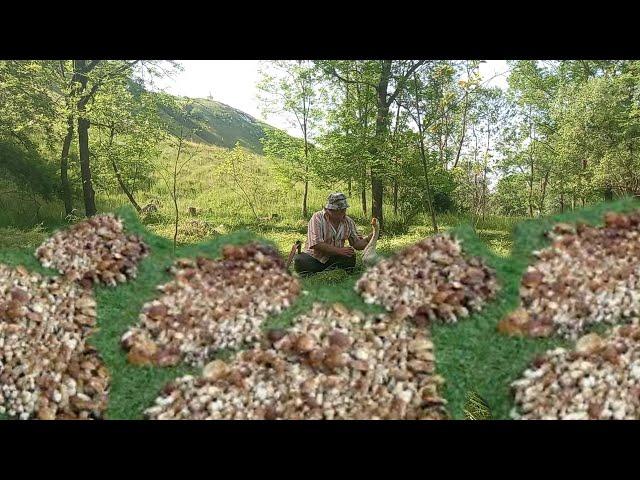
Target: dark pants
[[305, 264]]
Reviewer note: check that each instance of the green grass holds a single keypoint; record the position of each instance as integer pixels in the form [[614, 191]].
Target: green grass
[[11, 237], [470, 355], [219, 205]]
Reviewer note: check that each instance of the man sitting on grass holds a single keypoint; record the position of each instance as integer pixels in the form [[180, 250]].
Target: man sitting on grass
[[327, 232]]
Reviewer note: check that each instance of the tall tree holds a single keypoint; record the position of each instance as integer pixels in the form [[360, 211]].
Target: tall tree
[[394, 73], [350, 131], [88, 77], [293, 87], [288, 154], [86, 80], [129, 131], [416, 111], [171, 173], [27, 132]]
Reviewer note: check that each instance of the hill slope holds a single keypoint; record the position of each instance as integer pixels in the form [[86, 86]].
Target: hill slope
[[222, 125]]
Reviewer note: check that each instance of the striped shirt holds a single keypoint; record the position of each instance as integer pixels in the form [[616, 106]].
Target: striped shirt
[[321, 230]]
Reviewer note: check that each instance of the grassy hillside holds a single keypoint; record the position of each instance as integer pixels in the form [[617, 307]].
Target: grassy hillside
[[221, 125], [221, 206]]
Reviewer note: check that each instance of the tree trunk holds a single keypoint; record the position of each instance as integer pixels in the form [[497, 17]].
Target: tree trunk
[[395, 197], [124, 187], [631, 173], [484, 176], [475, 202], [376, 193], [363, 120], [304, 198], [395, 161], [484, 190], [85, 167], [584, 168], [135, 178], [174, 196], [530, 165], [64, 167], [531, 188], [428, 187], [364, 192], [543, 194], [377, 187], [80, 77], [561, 202], [464, 129], [445, 162], [383, 102], [608, 193], [346, 91], [424, 159], [306, 168]]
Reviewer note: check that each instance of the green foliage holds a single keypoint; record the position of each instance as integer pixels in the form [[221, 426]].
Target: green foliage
[[600, 129], [511, 195], [291, 87], [287, 156], [578, 128], [26, 98], [128, 135], [570, 129], [27, 169], [565, 134], [243, 175], [27, 126], [349, 131]]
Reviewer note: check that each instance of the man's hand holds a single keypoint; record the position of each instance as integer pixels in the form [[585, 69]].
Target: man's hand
[[346, 251], [326, 249], [360, 242]]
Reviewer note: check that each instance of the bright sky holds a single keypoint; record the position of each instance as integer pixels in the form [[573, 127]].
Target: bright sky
[[233, 82]]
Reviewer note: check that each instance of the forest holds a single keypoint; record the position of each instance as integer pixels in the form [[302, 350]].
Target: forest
[[408, 140]]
